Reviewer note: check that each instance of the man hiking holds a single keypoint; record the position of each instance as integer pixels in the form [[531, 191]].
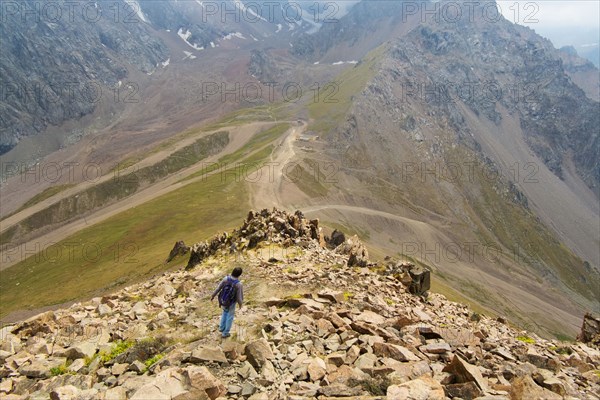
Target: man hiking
[[230, 292]]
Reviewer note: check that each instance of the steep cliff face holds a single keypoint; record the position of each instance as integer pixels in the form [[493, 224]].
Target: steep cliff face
[[59, 61], [476, 128], [55, 61]]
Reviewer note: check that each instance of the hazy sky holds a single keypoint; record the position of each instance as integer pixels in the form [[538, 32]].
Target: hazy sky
[[560, 21]]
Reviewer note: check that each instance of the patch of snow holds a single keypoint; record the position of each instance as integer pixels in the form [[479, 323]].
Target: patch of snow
[[188, 55], [185, 36], [279, 27], [212, 44], [120, 83], [345, 62], [352, 62], [166, 63], [291, 45], [255, 39], [316, 63], [247, 10], [230, 36], [338, 63], [168, 30], [136, 7]]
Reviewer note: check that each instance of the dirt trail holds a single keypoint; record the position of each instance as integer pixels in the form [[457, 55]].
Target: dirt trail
[[237, 140], [239, 137], [266, 192]]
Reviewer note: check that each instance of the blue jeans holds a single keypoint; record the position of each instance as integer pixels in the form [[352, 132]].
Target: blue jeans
[[227, 319]]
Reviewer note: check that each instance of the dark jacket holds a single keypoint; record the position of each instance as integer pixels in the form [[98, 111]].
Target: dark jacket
[[239, 290]]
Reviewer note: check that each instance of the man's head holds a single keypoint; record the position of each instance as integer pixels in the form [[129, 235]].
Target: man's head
[[237, 271]]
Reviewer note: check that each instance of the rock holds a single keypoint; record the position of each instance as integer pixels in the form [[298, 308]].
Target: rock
[[336, 238], [334, 297], [248, 389], [316, 369], [166, 385], [409, 371], [259, 396], [119, 369], [421, 280], [352, 354], [356, 251], [137, 366], [204, 353], [139, 309], [64, 393], [590, 330], [435, 348], [337, 359], [103, 309], [179, 249], [234, 389], [39, 368], [465, 372], [274, 301], [339, 390], [324, 327], [370, 317], [246, 371], [366, 361], [258, 352], [81, 350], [203, 382], [524, 388], [547, 380], [268, 375], [116, 393], [6, 386], [232, 350], [394, 351], [77, 365], [466, 391], [423, 388]]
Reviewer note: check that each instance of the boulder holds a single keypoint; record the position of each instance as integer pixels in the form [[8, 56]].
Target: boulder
[[316, 369], [258, 352], [420, 280], [524, 388], [202, 382], [590, 330], [167, 385], [336, 238], [204, 353], [423, 388], [394, 351], [466, 391], [465, 372], [179, 249], [356, 251]]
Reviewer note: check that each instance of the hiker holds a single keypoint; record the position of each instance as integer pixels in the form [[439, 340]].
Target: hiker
[[230, 292]]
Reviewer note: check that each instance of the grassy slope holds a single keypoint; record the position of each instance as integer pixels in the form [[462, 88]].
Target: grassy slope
[[45, 194], [329, 111], [123, 186], [135, 243]]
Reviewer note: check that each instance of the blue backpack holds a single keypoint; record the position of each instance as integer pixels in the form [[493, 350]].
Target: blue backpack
[[227, 295]]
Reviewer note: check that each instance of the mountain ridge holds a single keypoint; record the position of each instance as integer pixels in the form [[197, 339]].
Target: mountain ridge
[[315, 334]]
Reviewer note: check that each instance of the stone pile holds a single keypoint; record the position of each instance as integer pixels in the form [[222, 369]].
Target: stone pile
[[317, 329]]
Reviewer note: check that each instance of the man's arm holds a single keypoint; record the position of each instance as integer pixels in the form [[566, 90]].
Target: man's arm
[[240, 294], [216, 292]]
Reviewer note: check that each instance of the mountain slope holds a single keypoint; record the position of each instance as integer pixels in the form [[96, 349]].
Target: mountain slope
[[308, 328]]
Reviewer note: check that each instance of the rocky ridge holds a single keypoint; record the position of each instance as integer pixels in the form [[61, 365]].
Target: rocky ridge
[[313, 327]]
